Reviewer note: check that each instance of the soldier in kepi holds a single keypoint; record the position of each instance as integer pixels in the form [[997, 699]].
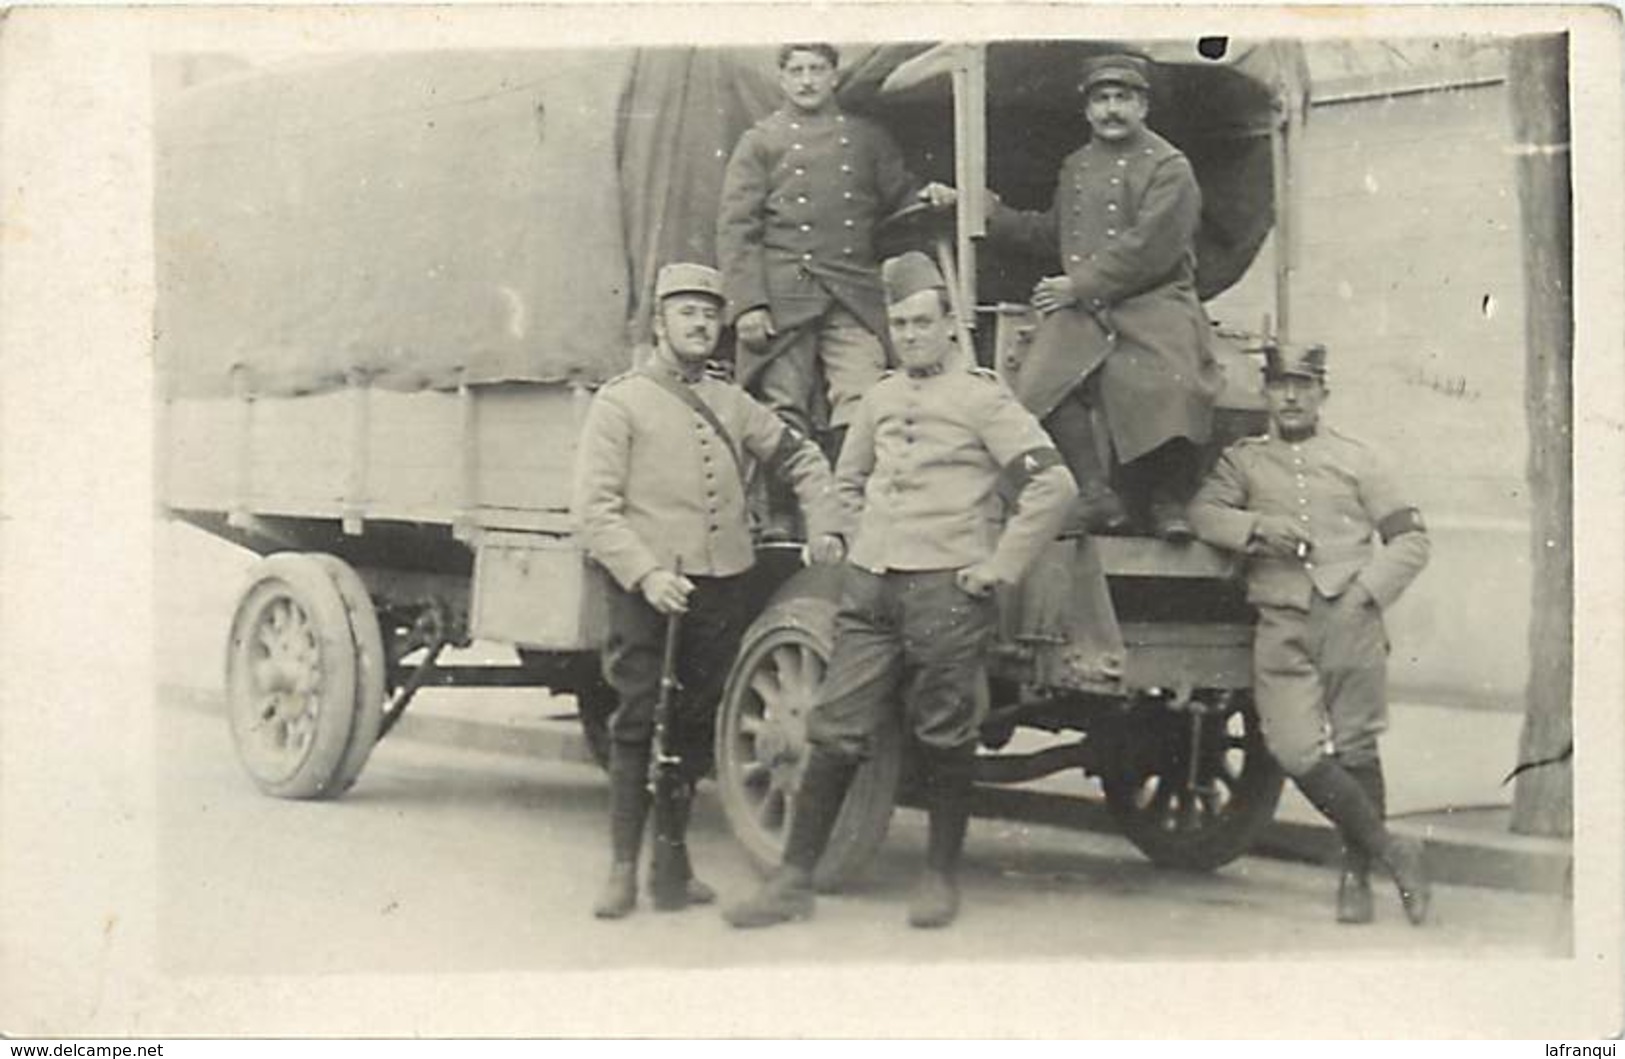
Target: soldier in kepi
[[795, 240], [1123, 336], [920, 480], [1304, 505], [660, 507]]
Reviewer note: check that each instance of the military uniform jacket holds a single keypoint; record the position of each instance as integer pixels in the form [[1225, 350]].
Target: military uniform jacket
[[1123, 224], [800, 200], [655, 483], [920, 473], [1339, 491]]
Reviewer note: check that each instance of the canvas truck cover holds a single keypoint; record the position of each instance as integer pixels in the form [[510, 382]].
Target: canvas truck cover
[[425, 220]]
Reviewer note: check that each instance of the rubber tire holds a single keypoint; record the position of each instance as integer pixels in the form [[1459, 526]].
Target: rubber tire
[[866, 815], [300, 577], [371, 666], [1254, 798]]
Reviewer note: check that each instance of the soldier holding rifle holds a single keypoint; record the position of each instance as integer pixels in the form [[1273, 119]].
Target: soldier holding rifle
[[660, 507]]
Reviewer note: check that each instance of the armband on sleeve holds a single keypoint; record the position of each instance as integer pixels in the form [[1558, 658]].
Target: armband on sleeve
[[1405, 520], [1019, 471]]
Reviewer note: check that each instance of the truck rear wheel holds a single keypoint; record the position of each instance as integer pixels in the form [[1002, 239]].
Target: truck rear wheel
[[762, 746], [371, 666], [291, 683], [1195, 819]]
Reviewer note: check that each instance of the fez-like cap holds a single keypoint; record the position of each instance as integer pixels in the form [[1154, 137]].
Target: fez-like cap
[[684, 277], [1126, 70], [908, 274], [1308, 362]]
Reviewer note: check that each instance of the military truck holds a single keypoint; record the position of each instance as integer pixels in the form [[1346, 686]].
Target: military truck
[[389, 284]]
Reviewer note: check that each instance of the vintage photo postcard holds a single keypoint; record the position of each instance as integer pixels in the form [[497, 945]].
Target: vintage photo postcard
[[783, 520]]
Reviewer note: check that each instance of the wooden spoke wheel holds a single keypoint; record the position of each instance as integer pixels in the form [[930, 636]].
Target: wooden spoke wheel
[[762, 743], [291, 678], [1193, 789]]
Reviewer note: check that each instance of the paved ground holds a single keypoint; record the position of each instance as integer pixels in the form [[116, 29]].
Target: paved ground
[[453, 861]]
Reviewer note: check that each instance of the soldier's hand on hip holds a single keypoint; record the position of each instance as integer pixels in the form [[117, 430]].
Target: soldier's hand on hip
[[827, 550], [1054, 292], [755, 328], [939, 196], [1280, 536], [977, 580], [666, 591]]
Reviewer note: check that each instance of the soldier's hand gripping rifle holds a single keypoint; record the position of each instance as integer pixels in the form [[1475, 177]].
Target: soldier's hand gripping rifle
[[668, 882]]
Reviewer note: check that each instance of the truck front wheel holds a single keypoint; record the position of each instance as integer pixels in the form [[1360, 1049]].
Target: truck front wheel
[[762, 746]]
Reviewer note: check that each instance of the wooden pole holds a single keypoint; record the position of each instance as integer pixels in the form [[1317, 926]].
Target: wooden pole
[[1543, 798]]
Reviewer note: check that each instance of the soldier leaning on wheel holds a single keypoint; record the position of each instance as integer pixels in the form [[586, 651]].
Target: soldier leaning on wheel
[[659, 485], [920, 476], [1304, 504]]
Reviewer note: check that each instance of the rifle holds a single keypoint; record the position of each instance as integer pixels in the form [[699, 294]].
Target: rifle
[[668, 882]]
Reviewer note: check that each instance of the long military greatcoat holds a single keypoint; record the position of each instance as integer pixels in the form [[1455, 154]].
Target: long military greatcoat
[[1124, 224], [800, 200]]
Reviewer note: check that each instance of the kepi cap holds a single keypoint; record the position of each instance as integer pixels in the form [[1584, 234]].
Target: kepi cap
[[685, 277], [1304, 361], [1120, 69], [908, 274]]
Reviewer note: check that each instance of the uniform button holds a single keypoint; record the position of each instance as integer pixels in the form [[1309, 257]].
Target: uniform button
[[846, 168], [1075, 257], [1117, 180], [845, 141], [847, 251], [806, 227], [1303, 518], [800, 171], [850, 223], [802, 199], [1122, 161], [795, 124], [806, 256], [1111, 233], [795, 147], [1110, 206], [1303, 500], [847, 196]]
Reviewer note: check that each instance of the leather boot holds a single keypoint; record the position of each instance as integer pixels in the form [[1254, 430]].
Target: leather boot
[[1354, 904], [628, 809], [1166, 477], [949, 785], [1097, 509], [1336, 793], [788, 893], [695, 892]]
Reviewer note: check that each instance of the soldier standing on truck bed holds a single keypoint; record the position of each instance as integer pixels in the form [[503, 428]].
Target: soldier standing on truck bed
[[1123, 334], [1303, 504], [795, 239], [660, 487], [929, 456]]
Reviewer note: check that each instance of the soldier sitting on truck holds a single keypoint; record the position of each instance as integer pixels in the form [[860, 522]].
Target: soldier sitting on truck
[[1123, 336], [660, 506], [929, 455], [801, 196], [1303, 504]]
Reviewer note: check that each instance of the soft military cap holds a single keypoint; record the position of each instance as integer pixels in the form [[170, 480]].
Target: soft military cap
[[908, 274], [687, 278], [1126, 70], [1308, 362]]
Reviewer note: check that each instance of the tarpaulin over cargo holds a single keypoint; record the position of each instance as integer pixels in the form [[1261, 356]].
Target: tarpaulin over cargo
[[421, 220]]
